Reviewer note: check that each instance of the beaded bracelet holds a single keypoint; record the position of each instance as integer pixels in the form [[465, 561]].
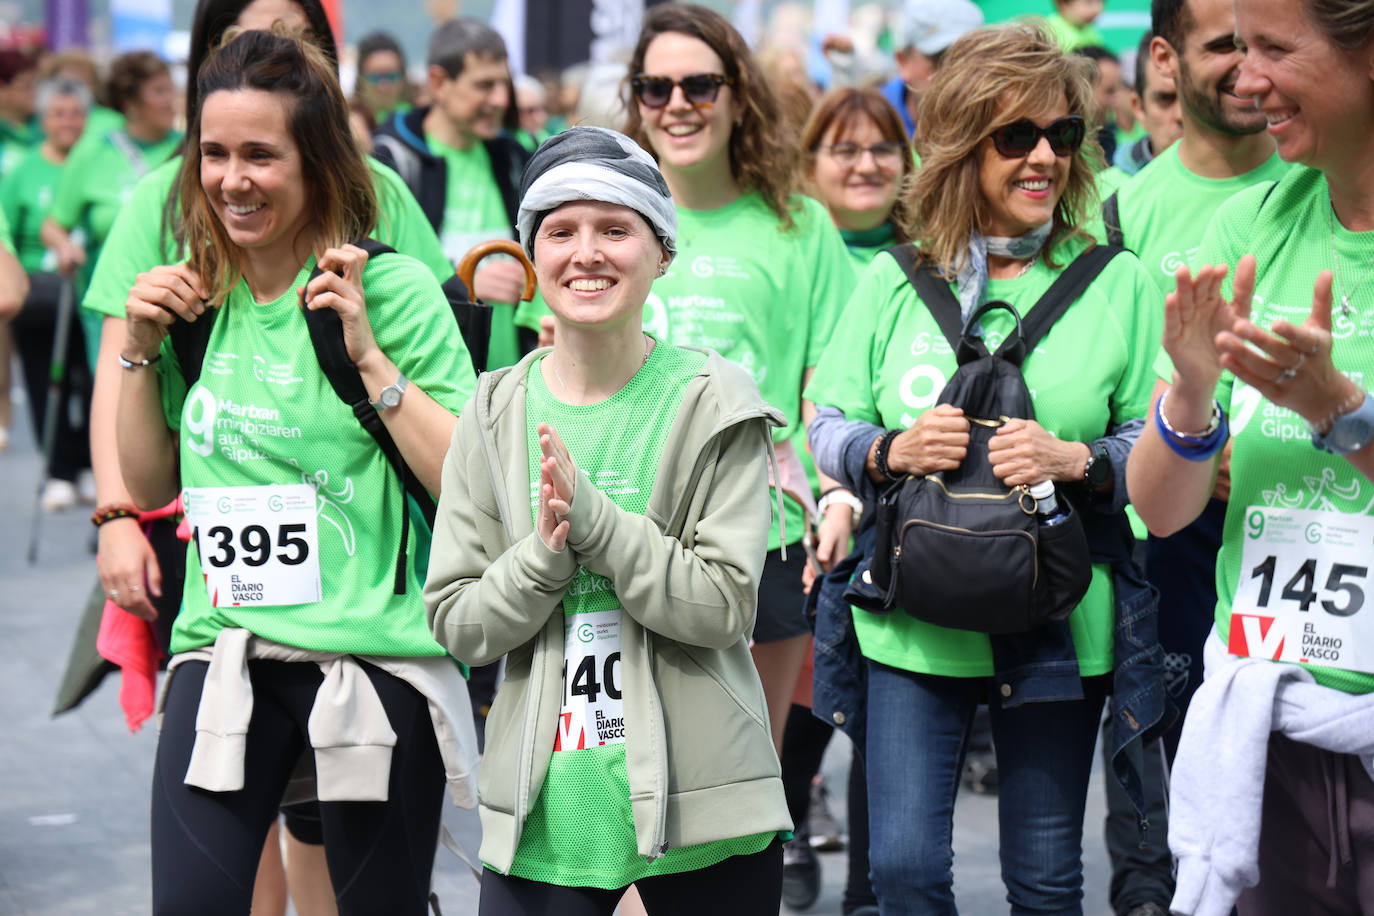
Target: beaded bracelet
[[1194, 447], [109, 513], [880, 454]]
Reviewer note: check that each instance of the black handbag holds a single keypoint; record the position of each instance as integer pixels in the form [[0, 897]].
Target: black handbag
[[960, 548]]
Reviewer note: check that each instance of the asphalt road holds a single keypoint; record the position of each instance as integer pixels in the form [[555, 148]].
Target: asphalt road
[[74, 789]]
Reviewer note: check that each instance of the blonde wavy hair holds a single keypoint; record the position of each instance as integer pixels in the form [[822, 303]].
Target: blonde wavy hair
[[989, 78]]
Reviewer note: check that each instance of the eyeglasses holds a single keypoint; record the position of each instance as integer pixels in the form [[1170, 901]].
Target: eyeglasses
[[1018, 139], [385, 76], [699, 89], [886, 155]]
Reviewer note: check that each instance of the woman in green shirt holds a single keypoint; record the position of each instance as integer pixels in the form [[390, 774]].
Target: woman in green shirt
[[1271, 345], [302, 595], [602, 526], [1005, 182], [101, 173], [26, 194], [760, 278]]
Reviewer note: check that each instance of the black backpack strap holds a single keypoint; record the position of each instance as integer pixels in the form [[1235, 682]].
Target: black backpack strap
[[1063, 293], [190, 340], [1111, 220], [327, 337], [935, 294]]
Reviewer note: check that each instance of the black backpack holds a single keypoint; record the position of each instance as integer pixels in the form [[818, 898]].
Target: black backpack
[[190, 339], [960, 548]]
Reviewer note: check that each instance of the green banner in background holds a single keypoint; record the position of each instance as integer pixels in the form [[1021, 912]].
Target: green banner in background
[[1122, 22]]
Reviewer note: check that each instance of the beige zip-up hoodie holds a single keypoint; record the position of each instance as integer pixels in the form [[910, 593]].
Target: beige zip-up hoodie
[[698, 750]]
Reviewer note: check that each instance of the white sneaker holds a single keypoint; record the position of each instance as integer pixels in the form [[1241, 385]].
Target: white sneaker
[[58, 495], [85, 487]]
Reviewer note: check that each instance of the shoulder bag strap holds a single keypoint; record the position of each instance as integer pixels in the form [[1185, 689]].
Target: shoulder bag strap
[[1064, 292], [1111, 219], [935, 293]]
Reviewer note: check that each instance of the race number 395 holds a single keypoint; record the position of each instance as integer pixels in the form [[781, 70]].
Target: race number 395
[[257, 545], [1305, 579]]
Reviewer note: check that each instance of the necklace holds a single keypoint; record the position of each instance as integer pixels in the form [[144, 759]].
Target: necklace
[[564, 385], [1029, 264], [1335, 258]]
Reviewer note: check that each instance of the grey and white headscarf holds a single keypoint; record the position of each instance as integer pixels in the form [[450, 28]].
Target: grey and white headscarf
[[973, 269], [593, 163]]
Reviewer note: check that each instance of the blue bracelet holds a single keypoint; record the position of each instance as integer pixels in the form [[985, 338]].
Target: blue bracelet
[[1192, 448]]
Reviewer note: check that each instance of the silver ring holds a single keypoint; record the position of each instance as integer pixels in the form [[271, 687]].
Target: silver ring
[[114, 593], [1285, 375], [135, 588], [1302, 358]]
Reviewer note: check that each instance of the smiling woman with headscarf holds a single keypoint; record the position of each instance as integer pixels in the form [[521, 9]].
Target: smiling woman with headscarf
[[602, 525]]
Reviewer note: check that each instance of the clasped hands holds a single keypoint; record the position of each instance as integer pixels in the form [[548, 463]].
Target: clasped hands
[[557, 486]]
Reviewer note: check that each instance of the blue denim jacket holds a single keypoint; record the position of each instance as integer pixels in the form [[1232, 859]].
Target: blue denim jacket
[[1036, 667]]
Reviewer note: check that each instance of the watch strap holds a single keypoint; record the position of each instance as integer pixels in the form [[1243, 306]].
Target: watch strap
[[1351, 431]]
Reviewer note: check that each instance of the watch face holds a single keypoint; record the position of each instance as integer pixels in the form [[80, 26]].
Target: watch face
[[1350, 434], [391, 396]]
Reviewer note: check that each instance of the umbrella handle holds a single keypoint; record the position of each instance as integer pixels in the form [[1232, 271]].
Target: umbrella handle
[[467, 267]]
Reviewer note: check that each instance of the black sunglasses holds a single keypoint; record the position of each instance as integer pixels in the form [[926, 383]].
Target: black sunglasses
[[1016, 140], [699, 89]]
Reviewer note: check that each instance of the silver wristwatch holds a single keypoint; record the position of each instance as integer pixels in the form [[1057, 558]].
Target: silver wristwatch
[[391, 394], [1351, 432]]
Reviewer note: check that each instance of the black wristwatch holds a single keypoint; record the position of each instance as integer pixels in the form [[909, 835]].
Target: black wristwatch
[[1097, 473]]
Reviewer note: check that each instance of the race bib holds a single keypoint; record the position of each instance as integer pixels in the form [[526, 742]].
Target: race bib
[[1303, 592], [593, 714], [257, 545]]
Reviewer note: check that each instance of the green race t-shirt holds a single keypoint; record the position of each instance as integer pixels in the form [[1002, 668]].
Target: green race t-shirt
[[1273, 463], [1165, 209], [1092, 371], [580, 831], [473, 213], [26, 194], [263, 414], [136, 244], [99, 180], [1072, 37]]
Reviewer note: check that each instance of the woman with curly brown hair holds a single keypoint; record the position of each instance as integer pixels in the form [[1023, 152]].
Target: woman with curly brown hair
[[1005, 182], [760, 276]]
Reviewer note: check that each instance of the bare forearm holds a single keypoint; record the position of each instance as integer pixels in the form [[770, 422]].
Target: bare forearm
[[146, 447], [1167, 490], [109, 481], [420, 426]]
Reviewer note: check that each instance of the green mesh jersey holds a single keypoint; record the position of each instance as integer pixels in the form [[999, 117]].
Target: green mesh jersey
[[1288, 227], [580, 832], [136, 242], [263, 413], [1092, 371]]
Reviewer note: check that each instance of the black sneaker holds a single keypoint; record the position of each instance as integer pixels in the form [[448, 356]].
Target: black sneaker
[[801, 873], [826, 833]]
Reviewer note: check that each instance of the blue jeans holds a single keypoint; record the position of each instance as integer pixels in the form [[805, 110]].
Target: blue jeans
[[918, 728]]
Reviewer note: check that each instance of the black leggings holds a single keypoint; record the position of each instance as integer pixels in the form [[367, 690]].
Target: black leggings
[[206, 845], [738, 886]]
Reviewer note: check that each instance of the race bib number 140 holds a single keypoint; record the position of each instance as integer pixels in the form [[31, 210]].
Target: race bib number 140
[[593, 713], [1304, 592], [258, 546]]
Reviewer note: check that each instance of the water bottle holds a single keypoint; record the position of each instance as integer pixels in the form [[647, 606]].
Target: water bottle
[[1046, 505]]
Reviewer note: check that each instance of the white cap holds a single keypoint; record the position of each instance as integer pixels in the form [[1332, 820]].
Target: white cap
[[1042, 490], [931, 26]]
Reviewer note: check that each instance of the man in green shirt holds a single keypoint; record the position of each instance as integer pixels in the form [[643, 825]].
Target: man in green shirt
[[1154, 102], [462, 168], [1161, 214]]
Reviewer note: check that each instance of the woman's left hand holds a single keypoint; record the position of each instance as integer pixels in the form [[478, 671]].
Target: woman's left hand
[[340, 287], [1292, 366], [558, 483], [1023, 453]]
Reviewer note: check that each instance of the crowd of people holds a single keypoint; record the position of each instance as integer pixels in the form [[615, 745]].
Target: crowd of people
[[611, 562]]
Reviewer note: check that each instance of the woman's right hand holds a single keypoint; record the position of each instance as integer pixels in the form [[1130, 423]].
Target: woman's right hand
[[126, 561], [158, 298], [70, 256], [1195, 313], [937, 441]]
